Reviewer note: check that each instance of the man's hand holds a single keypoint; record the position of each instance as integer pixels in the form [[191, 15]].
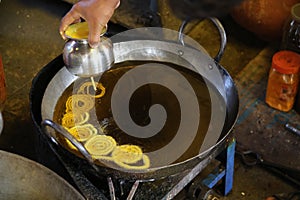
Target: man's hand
[[97, 13]]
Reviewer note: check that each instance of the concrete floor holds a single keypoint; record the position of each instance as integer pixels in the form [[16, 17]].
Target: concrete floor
[[29, 39]]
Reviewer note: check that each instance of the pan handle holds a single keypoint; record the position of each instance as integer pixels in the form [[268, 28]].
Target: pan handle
[[222, 33], [61, 130]]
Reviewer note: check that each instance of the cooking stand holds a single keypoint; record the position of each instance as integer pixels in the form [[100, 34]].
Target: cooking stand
[[192, 183]]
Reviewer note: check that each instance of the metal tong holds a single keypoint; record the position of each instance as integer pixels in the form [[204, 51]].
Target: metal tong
[[251, 158]]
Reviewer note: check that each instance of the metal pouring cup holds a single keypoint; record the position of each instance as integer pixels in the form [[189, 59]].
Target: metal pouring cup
[[82, 60]]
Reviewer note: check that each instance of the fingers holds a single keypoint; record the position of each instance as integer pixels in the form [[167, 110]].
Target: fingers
[[118, 4], [71, 17], [95, 30], [97, 13], [96, 26]]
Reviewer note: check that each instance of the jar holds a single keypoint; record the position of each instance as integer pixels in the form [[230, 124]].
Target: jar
[[291, 29], [291, 40], [283, 80]]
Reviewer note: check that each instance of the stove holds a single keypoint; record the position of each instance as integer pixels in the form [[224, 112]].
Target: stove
[[209, 179]]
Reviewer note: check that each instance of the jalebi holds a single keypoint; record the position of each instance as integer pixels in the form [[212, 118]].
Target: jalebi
[[100, 145], [79, 103], [83, 132], [144, 163], [71, 119], [87, 88], [130, 157], [127, 153]]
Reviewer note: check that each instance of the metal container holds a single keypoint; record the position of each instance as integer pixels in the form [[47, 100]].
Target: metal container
[[22, 178], [84, 61]]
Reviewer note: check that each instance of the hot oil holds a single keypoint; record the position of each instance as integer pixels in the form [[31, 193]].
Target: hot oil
[[141, 101]]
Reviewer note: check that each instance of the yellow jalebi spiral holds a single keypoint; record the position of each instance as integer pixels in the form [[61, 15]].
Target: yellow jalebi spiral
[[79, 103], [127, 153], [87, 88], [100, 145], [71, 119], [130, 157], [83, 132], [145, 164]]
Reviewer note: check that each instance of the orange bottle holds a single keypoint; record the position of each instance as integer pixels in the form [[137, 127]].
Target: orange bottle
[[283, 80]]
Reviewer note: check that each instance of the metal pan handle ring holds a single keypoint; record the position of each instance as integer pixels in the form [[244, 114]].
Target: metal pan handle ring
[[62, 131], [222, 33]]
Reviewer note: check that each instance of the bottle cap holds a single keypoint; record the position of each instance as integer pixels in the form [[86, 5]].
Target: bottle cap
[[295, 11], [286, 62]]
